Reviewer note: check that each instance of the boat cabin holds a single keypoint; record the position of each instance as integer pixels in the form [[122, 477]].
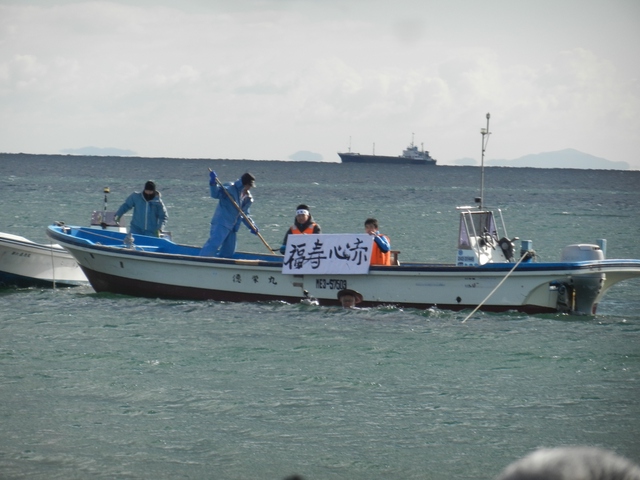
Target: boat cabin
[[481, 240]]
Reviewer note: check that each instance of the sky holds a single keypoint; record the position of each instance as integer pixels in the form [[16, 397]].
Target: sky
[[266, 79]]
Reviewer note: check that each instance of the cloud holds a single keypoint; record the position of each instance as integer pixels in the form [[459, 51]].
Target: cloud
[[264, 79]]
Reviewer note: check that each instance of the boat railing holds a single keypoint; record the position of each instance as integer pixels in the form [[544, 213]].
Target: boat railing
[[504, 227]]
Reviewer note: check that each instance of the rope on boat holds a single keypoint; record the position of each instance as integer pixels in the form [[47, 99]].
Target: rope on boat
[[131, 246], [95, 233], [497, 286]]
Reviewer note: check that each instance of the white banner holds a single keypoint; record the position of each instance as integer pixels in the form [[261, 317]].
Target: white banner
[[345, 254]]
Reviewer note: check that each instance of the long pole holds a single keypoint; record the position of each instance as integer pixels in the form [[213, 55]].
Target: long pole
[[484, 132], [249, 221]]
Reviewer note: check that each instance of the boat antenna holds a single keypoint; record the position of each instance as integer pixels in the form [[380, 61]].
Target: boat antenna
[[485, 140], [104, 211]]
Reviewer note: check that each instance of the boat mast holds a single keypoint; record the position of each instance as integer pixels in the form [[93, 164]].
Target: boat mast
[[104, 211], [485, 133]]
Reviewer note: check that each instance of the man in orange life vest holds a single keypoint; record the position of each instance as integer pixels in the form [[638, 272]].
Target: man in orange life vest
[[381, 250], [303, 224]]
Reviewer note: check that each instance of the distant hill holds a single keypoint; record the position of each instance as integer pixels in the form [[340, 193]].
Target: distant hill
[[97, 151], [467, 161], [305, 156], [568, 158]]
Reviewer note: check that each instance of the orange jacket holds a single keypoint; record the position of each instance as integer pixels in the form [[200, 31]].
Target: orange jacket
[[378, 257], [307, 231]]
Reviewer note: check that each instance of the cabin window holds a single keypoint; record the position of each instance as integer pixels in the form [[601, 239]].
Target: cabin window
[[473, 224]]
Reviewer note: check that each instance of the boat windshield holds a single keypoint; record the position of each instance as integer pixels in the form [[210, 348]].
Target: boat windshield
[[474, 224]]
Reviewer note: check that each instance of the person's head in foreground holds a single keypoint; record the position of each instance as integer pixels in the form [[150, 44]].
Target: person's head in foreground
[[349, 298], [571, 463]]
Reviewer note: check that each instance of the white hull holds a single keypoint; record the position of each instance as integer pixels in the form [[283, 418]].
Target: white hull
[[26, 263], [156, 272]]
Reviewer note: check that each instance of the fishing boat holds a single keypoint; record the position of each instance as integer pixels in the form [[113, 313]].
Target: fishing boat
[[24, 263], [410, 155], [488, 273], [485, 275]]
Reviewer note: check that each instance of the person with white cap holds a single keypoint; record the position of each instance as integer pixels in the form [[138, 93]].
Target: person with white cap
[[234, 200], [304, 224], [149, 213]]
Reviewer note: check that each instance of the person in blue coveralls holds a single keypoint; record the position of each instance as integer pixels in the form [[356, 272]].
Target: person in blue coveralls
[[149, 213], [227, 217]]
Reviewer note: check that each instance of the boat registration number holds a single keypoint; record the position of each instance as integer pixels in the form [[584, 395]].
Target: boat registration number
[[331, 283]]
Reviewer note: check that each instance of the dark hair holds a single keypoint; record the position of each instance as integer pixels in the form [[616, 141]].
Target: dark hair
[[248, 179], [150, 185], [302, 206], [371, 221]]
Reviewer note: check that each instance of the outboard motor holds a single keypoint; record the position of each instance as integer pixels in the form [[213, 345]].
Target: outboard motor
[[566, 297], [586, 288]]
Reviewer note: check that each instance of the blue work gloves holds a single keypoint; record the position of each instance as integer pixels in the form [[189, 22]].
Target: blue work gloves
[[283, 248], [255, 229], [212, 177]]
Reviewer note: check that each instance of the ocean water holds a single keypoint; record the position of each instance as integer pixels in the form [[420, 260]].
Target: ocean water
[[107, 386]]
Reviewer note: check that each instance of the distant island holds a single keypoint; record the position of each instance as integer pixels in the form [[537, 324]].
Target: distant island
[[568, 158], [99, 152], [305, 156]]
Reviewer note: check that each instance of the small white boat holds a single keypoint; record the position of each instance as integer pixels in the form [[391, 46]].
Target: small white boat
[[24, 263]]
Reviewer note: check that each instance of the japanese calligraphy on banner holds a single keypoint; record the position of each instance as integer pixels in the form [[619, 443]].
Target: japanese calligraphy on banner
[[346, 254]]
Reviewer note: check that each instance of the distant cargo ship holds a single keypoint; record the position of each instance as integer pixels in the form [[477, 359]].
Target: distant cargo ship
[[410, 155]]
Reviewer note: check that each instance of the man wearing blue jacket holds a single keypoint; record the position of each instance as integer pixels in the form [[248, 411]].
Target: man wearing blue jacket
[[149, 213], [227, 217]]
